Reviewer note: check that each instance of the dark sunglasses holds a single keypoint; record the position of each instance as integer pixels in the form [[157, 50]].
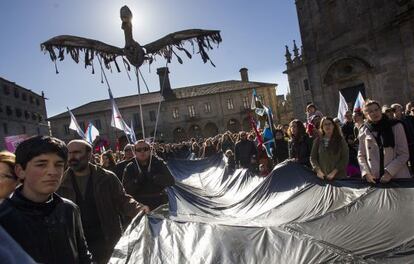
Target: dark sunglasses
[[144, 149]]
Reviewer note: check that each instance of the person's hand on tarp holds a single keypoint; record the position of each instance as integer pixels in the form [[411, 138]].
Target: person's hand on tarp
[[370, 178], [320, 174], [386, 177], [144, 209], [331, 175]]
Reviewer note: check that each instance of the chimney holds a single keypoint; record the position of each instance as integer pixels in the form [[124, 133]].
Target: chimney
[[164, 79], [244, 75]]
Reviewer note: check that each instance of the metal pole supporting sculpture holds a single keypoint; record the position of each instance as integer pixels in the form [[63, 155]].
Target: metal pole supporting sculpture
[[134, 53]]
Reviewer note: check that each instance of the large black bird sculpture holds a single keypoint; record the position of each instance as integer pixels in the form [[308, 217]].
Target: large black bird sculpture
[[135, 53]]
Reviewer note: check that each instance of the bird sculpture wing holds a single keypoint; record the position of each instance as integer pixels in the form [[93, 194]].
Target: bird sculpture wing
[[75, 45], [166, 46]]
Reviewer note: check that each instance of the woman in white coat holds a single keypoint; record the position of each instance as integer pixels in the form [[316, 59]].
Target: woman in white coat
[[383, 150]]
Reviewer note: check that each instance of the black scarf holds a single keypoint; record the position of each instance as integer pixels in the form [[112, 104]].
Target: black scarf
[[384, 138], [384, 130]]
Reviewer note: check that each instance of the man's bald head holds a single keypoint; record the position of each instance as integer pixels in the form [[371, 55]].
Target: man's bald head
[[80, 152], [81, 142]]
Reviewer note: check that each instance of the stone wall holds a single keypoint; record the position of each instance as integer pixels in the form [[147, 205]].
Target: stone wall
[[355, 43]]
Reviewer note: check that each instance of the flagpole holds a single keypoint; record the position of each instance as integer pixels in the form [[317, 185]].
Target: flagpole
[[140, 104], [110, 93]]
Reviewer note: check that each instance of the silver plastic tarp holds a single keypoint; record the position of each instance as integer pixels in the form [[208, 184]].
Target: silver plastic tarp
[[289, 216]]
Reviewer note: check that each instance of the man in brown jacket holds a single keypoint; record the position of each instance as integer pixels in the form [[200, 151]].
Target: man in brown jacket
[[101, 199]]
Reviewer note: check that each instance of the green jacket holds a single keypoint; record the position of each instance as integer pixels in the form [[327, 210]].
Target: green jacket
[[327, 160]]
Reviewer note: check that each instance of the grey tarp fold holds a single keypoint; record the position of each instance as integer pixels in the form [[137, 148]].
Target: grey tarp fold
[[289, 216]]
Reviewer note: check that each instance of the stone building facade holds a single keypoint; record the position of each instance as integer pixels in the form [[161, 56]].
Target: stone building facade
[[195, 111], [351, 46], [21, 111]]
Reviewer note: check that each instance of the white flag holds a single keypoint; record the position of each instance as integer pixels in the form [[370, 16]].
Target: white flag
[[91, 133], [75, 126], [343, 107], [117, 120]]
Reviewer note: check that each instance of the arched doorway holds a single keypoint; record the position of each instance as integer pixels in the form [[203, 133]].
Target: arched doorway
[[210, 129], [233, 125], [349, 75], [195, 131], [179, 134]]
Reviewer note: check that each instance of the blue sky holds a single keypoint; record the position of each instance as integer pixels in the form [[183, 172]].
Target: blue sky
[[254, 34]]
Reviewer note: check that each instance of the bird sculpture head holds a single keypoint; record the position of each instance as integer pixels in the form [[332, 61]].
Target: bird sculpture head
[[126, 14], [126, 17]]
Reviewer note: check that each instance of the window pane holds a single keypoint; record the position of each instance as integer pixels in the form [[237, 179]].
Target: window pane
[[176, 114], [66, 129], [191, 110], [230, 104], [246, 102], [137, 120]]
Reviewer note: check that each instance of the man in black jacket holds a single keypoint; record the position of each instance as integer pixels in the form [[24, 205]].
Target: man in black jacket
[[101, 198], [147, 182], [245, 151], [348, 126], [120, 166], [45, 225]]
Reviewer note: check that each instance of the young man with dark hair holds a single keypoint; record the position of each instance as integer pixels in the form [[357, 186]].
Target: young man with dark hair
[[45, 225]]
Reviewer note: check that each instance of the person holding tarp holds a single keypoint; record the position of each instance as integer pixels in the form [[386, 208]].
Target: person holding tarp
[[101, 198], [147, 177], [329, 155], [383, 150]]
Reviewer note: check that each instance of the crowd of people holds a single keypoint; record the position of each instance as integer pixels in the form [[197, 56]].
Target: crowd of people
[[62, 203]]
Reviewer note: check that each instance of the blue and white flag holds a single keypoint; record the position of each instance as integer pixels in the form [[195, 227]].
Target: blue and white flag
[[268, 137], [117, 121], [359, 103], [91, 133], [268, 141], [74, 125], [257, 104]]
